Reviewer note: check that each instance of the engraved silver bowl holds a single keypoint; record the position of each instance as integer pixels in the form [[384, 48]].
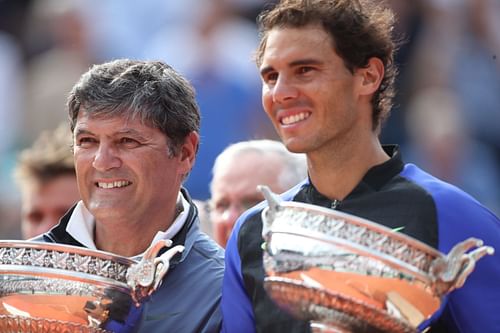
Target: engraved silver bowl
[[46, 287], [347, 274]]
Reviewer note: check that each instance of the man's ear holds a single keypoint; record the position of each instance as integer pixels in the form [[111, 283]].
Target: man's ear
[[189, 150], [370, 76]]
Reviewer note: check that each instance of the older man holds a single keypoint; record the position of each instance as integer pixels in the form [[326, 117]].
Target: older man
[[239, 169], [135, 135]]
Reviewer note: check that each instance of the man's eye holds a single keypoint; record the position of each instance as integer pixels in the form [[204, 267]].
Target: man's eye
[[129, 142], [85, 141], [35, 217], [221, 206], [271, 77], [305, 69], [126, 140]]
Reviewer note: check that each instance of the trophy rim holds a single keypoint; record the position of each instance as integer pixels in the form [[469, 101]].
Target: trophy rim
[[359, 221], [61, 261], [55, 274], [361, 235], [40, 245]]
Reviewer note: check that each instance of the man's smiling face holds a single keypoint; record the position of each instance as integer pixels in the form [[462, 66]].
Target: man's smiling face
[[308, 92], [125, 169]]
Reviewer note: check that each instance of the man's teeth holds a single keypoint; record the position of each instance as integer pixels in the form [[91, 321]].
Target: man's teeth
[[294, 118], [120, 183]]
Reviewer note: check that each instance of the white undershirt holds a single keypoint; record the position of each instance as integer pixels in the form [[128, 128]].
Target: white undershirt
[[81, 225]]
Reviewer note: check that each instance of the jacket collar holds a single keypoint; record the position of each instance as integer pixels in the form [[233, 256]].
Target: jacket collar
[[374, 179]]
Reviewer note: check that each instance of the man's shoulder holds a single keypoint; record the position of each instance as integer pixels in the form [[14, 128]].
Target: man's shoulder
[[202, 264], [188, 299], [459, 215], [207, 248], [443, 193]]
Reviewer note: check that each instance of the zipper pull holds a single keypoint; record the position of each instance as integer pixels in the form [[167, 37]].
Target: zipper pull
[[335, 203]]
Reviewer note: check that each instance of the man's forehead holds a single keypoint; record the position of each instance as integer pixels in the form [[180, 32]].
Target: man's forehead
[[235, 192], [289, 42], [110, 116], [245, 183], [112, 123]]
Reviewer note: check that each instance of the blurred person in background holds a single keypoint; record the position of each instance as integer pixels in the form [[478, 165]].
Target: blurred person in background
[[449, 45], [328, 75], [45, 173], [61, 53], [237, 172], [457, 48], [441, 144], [135, 137]]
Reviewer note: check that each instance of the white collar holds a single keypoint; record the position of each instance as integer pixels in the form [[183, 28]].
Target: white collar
[[81, 224]]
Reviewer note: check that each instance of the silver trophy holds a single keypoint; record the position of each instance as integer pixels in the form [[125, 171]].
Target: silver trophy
[[46, 287], [347, 274]]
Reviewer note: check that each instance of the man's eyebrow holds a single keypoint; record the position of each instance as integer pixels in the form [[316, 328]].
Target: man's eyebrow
[[265, 70], [295, 63], [80, 131], [126, 131], [133, 133], [306, 61]]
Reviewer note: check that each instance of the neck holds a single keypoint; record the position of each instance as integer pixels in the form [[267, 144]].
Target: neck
[[337, 170], [130, 238]]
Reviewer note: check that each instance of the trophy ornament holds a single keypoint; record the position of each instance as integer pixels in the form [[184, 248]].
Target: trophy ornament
[[146, 276], [49, 287], [348, 274]]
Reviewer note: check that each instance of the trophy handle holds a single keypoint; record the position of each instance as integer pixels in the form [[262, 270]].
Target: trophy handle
[[451, 271], [146, 276], [268, 214]]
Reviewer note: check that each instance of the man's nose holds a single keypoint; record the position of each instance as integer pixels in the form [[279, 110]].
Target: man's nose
[[106, 158], [284, 90]]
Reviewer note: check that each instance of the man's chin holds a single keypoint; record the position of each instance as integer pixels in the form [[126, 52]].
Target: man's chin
[[294, 146], [108, 209]]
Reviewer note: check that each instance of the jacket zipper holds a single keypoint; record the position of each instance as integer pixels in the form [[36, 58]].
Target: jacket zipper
[[335, 203]]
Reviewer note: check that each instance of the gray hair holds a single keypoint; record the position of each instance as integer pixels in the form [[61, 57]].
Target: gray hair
[[294, 165], [151, 91]]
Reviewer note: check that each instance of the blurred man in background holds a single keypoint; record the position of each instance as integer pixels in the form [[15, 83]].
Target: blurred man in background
[[442, 144], [45, 173], [237, 172]]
